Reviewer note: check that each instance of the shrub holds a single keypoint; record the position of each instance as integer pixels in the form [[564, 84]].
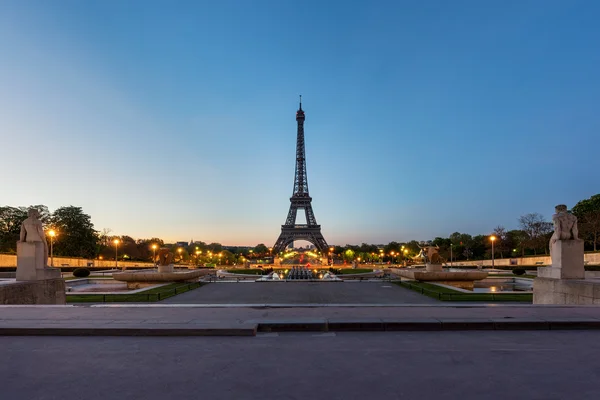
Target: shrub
[[519, 271], [81, 272], [267, 271]]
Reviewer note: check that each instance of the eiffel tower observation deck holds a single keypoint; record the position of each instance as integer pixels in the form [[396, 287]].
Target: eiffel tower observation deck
[[300, 200]]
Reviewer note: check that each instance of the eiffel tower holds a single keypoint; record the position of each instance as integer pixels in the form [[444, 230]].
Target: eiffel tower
[[290, 231]]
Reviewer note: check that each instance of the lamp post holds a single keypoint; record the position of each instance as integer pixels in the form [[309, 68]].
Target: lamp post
[[331, 254], [451, 254], [392, 254], [52, 233], [116, 242], [493, 239], [179, 250], [404, 257], [154, 256]]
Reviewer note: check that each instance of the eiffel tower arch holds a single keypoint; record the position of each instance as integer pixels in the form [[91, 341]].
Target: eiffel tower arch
[[300, 200]]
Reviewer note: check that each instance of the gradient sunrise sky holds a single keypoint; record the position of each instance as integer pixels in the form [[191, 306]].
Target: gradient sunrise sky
[[176, 119]]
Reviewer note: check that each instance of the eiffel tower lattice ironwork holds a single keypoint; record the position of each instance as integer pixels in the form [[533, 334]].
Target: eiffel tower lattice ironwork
[[290, 231]]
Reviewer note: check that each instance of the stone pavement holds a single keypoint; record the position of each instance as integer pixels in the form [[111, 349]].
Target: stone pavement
[[352, 292], [246, 320]]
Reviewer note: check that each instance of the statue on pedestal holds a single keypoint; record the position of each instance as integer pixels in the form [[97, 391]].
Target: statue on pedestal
[[165, 260], [431, 257], [32, 251], [566, 249]]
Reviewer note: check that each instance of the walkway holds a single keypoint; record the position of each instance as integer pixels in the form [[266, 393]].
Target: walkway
[[302, 293], [188, 320]]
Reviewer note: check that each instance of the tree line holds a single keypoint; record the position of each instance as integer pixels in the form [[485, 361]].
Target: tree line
[[77, 237]]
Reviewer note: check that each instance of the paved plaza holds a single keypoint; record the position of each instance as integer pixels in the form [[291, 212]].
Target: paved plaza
[[408, 365], [356, 292]]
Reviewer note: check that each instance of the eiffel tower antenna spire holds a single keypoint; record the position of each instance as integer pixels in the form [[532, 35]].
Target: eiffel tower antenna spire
[[300, 199]]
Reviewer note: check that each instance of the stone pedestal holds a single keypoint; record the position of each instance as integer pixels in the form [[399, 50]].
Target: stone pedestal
[[165, 268], [47, 291], [30, 263], [567, 261], [565, 291], [433, 267]]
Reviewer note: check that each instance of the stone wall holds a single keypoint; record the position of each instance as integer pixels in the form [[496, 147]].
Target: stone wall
[[51, 291], [589, 258], [563, 291], [10, 260]]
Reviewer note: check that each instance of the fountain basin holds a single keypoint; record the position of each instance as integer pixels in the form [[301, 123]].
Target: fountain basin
[[144, 278], [364, 275], [460, 279]]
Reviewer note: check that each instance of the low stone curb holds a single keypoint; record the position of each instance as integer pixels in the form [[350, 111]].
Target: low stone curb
[[158, 330], [250, 328], [425, 324]]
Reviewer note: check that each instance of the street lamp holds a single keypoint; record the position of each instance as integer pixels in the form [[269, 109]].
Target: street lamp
[[154, 246], [116, 242], [52, 233], [220, 255], [331, 254], [392, 254], [179, 250], [451, 244], [405, 253], [493, 239]]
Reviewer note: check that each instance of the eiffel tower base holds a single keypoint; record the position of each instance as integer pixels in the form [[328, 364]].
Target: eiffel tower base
[[294, 233]]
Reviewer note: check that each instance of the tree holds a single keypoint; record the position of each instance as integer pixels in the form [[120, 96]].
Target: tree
[[588, 219], [501, 244], [444, 245], [11, 219], [214, 247], [129, 248], [261, 249], [76, 234], [536, 229]]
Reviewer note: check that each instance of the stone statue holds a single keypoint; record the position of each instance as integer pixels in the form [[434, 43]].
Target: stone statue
[[32, 251], [430, 254], [32, 231], [164, 257], [431, 257], [565, 226]]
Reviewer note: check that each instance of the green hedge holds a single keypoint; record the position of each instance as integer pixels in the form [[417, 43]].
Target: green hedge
[[151, 295]]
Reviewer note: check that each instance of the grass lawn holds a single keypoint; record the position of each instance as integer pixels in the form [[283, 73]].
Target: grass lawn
[[150, 295], [446, 294]]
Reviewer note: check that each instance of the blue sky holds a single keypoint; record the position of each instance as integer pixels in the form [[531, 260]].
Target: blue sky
[[177, 119]]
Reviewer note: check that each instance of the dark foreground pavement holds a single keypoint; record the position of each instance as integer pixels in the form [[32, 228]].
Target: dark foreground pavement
[[408, 365]]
